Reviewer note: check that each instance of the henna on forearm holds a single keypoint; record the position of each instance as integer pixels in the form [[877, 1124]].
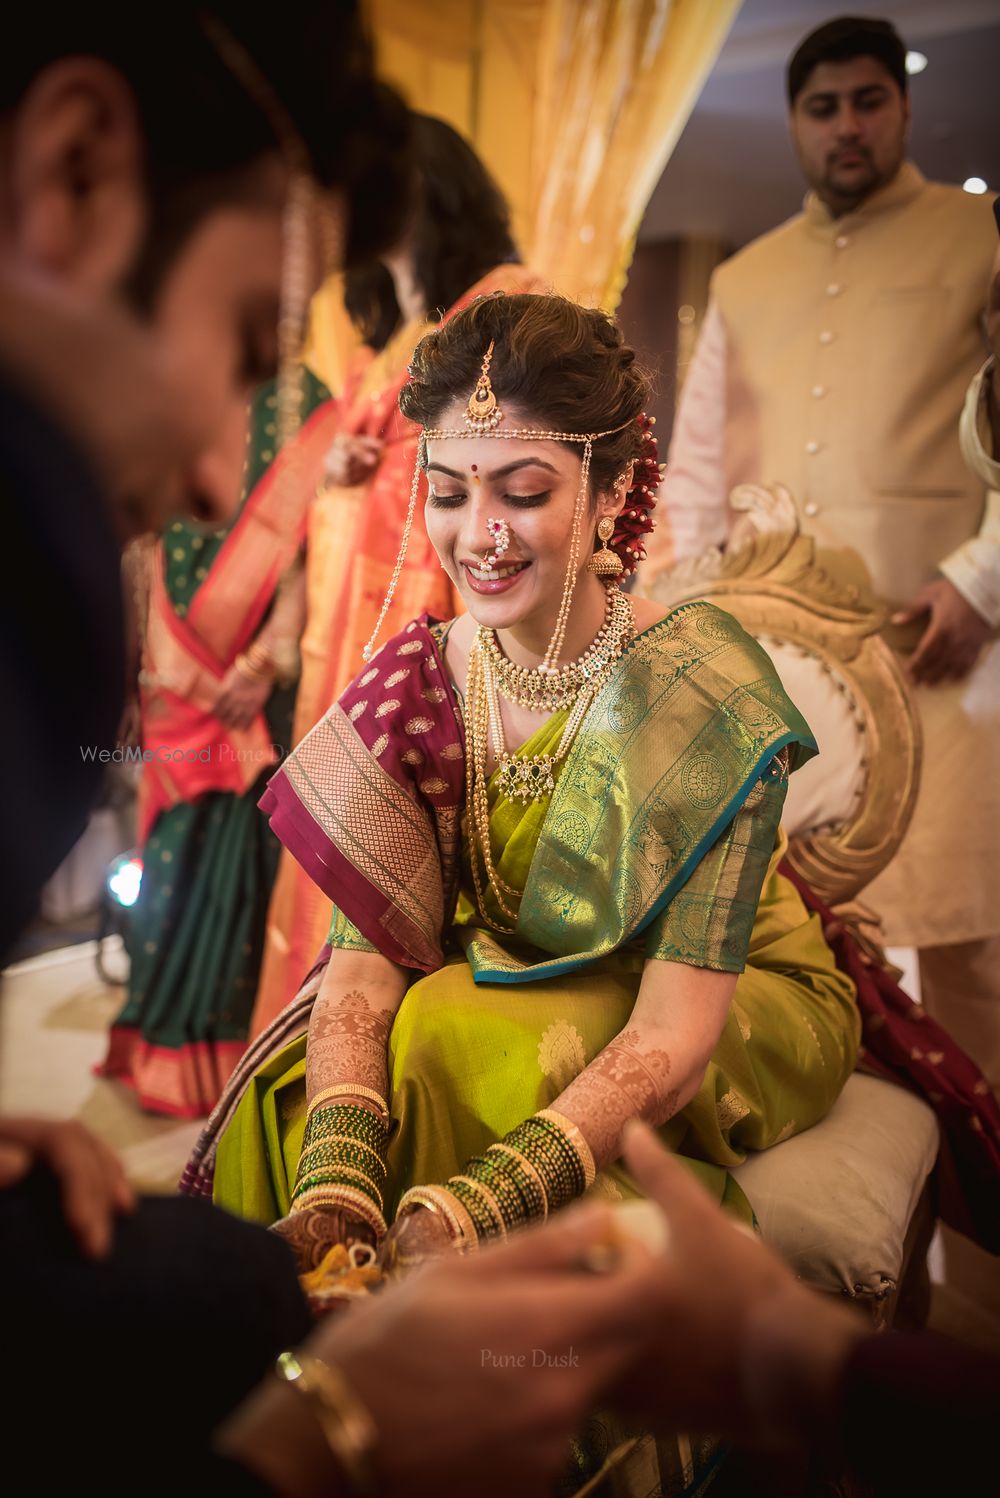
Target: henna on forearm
[[630, 1078], [348, 1042]]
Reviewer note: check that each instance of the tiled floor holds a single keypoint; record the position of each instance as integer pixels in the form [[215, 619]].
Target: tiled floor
[[54, 1017]]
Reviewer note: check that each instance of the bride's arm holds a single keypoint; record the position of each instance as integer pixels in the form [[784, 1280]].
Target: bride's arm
[[338, 1195], [655, 1065], [349, 1030]]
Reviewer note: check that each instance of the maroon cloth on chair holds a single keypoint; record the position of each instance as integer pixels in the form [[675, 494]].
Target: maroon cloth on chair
[[902, 1043]]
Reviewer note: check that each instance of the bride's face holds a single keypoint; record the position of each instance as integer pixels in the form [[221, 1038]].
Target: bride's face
[[533, 486]]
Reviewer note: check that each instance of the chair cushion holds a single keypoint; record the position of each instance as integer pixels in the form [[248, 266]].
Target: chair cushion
[[836, 1200]]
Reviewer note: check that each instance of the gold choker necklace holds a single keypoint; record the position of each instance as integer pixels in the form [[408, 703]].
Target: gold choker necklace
[[528, 686]]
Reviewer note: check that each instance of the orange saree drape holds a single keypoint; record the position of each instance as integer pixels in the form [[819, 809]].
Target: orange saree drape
[[187, 750]]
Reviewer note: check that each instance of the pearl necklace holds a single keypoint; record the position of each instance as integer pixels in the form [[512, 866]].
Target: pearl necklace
[[522, 777], [528, 686]]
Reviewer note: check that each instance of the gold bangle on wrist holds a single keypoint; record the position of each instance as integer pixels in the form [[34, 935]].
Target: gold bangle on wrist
[[350, 1089], [576, 1138], [444, 1204], [246, 667], [346, 1424]]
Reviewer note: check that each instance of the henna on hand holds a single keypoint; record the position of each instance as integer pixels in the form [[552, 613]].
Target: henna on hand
[[628, 1079], [311, 1234], [348, 1042]]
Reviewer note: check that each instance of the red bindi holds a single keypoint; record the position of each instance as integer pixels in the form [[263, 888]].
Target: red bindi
[[475, 467]]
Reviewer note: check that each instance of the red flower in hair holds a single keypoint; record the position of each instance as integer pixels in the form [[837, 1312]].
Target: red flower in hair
[[636, 519]]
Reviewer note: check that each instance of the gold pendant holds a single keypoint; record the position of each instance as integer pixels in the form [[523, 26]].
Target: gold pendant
[[526, 778]]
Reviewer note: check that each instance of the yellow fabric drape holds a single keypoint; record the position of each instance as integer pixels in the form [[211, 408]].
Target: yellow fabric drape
[[575, 107]]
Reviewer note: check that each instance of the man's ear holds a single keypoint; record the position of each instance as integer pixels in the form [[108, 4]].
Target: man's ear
[[78, 203]]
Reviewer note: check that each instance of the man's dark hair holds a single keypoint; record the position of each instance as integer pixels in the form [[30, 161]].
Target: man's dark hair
[[460, 230], [202, 125], [841, 40]]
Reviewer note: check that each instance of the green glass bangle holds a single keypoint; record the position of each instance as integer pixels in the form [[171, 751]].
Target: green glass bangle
[[476, 1207], [506, 1187], [357, 1122], [338, 1178], [323, 1151]]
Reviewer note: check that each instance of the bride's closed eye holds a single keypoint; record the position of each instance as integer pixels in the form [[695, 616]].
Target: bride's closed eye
[[445, 501]]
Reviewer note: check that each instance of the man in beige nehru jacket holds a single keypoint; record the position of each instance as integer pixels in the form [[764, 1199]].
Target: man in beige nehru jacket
[[835, 358]]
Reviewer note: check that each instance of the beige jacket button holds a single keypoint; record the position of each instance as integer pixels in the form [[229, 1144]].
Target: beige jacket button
[[826, 336], [810, 509], [834, 288], [812, 447], [818, 392], [841, 242]]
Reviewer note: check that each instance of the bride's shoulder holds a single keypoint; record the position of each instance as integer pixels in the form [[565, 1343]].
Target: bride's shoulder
[[647, 612]]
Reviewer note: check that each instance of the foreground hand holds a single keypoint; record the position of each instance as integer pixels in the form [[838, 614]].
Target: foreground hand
[[737, 1345], [90, 1175], [476, 1370], [953, 638], [312, 1233], [241, 698], [351, 460], [413, 1240]]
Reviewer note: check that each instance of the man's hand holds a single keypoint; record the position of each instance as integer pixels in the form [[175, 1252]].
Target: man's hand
[[955, 634], [351, 460], [94, 1188], [241, 698], [736, 1344], [475, 1370]]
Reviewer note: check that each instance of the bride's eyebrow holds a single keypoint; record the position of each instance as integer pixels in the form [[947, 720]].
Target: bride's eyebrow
[[509, 468], [497, 473]]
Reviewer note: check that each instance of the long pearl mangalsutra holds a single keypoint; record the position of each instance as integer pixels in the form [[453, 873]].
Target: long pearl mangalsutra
[[528, 777]]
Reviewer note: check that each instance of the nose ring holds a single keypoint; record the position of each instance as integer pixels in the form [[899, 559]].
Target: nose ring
[[500, 536]]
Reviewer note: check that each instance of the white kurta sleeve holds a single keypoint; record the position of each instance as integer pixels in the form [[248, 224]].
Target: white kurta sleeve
[[974, 567], [693, 510]]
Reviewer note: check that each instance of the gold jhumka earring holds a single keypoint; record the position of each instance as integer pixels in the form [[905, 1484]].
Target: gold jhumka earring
[[606, 563]]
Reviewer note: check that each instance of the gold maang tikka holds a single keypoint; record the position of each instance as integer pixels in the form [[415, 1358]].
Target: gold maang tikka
[[484, 418]]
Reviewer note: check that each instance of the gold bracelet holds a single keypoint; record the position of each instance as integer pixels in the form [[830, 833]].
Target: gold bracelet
[[349, 1089], [440, 1201], [579, 1143], [246, 668], [347, 1425], [349, 1197]]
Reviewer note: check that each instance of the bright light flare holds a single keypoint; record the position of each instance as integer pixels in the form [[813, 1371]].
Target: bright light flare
[[125, 879]]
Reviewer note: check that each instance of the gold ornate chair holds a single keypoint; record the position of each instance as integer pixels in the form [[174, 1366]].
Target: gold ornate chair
[[846, 1202]]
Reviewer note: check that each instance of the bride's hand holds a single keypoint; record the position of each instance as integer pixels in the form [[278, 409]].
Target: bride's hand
[[311, 1233], [414, 1238]]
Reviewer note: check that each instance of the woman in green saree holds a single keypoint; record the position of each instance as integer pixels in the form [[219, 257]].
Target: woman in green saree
[[528, 948]]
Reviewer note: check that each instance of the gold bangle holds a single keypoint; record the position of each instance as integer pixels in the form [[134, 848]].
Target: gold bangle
[[353, 1174], [346, 1424], [350, 1197], [576, 1138], [246, 668], [440, 1201], [349, 1089]]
